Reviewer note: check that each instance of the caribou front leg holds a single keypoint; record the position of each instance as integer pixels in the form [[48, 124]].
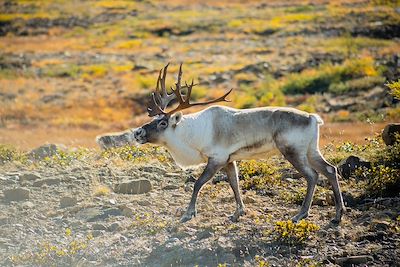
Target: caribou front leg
[[210, 170]]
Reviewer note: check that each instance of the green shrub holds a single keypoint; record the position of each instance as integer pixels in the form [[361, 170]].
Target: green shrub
[[381, 180], [137, 154], [257, 175], [359, 84], [291, 233], [9, 153], [65, 157], [150, 224], [321, 79], [65, 253], [394, 88], [62, 71]]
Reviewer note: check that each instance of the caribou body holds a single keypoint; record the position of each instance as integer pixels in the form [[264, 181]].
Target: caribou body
[[219, 136]]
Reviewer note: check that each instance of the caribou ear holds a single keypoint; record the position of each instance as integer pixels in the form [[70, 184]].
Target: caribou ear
[[175, 119]]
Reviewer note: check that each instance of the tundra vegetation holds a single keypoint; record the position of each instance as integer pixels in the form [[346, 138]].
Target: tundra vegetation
[[70, 70]]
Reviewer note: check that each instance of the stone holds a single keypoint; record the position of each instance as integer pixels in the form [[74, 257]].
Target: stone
[[381, 226], [28, 205], [349, 260], [170, 187], [144, 203], [249, 200], [126, 211], [115, 139], [27, 177], [105, 214], [44, 151], [16, 194], [47, 181], [133, 187], [389, 133], [347, 166], [68, 202], [114, 227], [99, 226]]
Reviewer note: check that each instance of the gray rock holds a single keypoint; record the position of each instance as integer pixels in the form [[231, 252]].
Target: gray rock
[[16, 194], [27, 177], [115, 139], [95, 214], [359, 259], [144, 203], [99, 226], [389, 133], [47, 181], [126, 211], [68, 202], [28, 205], [170, 187], [347, 166], [114, 227], [44, 151], [133, 187]]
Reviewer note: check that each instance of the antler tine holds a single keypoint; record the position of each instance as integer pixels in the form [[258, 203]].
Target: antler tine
[[157, 92], [162, 97], [189, 91], [154, 109], [164, 90], [177, 90]]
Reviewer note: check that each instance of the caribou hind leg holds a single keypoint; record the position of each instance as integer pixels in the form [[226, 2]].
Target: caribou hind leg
[[321, 165], [300, 163], [232, 173]]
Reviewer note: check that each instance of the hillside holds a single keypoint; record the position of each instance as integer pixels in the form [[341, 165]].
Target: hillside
[[92, 64]]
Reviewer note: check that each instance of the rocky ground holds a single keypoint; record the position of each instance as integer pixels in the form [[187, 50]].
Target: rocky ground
[[103, 211]]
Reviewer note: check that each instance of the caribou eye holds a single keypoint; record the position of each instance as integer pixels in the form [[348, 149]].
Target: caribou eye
[[162, 124]]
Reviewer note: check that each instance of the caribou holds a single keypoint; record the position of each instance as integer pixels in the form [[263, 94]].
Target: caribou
[[219, 136]]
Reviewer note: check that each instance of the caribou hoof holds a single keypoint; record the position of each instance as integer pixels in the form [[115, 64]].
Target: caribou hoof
[[188, 216], [235, 216], [299, 216]]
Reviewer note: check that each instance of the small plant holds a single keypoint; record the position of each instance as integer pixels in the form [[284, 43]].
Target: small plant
[[381, 180], [9, 153], [48, 254], [292, 233], [394, 88], [257, 175], [101, 190], [137, 154], [149, 223], [65, 158], [260, 261]]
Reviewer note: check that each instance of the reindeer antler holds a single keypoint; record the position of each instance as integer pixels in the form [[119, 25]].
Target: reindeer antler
[[159, 101]]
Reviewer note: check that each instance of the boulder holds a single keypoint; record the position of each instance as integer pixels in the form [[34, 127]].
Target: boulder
[[347, 166], [351, 260], [16, 194], [47, 181], [26, 177], [389, 133], [44, 151], [115, 139], [68, 202], [133, 187]]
